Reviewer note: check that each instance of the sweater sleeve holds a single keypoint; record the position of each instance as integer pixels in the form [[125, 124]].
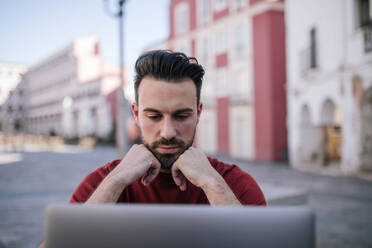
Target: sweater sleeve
[[245, 187], [241, 183], [89, 184]]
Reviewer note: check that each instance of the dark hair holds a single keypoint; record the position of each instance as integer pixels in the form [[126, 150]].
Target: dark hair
[[168, 66]]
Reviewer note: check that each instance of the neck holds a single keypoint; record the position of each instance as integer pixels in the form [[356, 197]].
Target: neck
[[166, 171]]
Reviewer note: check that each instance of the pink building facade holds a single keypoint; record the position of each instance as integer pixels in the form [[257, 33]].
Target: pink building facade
[[68, 92], [241, 45]]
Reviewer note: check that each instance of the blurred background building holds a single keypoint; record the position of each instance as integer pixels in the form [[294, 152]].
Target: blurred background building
[[329, 54], [12, 97], [70, 93], [241, 45], [256, 54]]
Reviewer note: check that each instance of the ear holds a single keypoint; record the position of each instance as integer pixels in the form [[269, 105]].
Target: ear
[[199, 110], [135, 112]]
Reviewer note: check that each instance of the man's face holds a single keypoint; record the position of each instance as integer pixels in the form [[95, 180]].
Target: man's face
[[167, 115]]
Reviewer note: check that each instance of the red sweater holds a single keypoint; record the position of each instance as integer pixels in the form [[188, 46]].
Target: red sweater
[[164, 190]]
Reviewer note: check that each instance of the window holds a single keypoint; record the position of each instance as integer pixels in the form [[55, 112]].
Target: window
[[10, 109], [181, 17], [203, 51], [203, 11], [313, 55], [364, 13], [221, 83], [241, 87], [238, 4], [208, 86], [240, 41], [221, 42]]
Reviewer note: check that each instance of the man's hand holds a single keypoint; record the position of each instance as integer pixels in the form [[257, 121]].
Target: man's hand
[[139, 162], [193, 165]]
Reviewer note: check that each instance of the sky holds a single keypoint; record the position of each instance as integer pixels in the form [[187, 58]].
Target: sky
[[31, 30]]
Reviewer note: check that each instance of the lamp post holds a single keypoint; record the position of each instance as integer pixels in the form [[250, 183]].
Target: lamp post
[[123, 112]]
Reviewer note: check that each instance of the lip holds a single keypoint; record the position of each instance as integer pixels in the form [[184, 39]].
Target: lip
[[167, 149]]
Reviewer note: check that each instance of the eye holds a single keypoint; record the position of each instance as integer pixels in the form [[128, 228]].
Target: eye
[[181, 116], [154, 117]]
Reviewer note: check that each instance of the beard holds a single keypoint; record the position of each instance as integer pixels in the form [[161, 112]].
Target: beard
[[167, 160]]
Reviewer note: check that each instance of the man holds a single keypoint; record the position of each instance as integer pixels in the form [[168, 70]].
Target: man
[[166, 168]]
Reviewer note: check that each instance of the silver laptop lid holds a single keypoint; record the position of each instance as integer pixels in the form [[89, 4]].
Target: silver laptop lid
[[134, 225]]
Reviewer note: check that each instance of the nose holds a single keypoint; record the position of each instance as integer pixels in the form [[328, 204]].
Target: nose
[[168, 131]]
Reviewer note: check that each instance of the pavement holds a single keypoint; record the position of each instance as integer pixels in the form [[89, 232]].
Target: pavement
[[32, 178]]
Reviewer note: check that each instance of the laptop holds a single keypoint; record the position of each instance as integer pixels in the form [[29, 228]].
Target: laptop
[[136, 225]]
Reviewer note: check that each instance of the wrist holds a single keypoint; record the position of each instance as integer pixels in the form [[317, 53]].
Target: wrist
[[215, 184], [219, 193]]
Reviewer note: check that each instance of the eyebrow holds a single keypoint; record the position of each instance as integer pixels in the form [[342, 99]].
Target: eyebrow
[[179, 111], [183, 110]]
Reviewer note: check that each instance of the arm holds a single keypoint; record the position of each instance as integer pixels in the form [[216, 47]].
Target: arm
[[194, 166], [138, 162]]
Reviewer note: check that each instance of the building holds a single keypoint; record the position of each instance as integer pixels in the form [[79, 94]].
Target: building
[[12, 97], [241, 45], [68, 92], [329, 54]]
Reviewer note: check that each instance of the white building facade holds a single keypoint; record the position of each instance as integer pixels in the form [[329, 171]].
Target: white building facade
[[68, 93], [329, 68], [12, 97]]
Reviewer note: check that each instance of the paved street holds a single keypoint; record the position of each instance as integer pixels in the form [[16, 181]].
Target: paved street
[[31, 180]]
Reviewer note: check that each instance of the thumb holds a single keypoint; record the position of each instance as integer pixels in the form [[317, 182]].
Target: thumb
[[179, 179]]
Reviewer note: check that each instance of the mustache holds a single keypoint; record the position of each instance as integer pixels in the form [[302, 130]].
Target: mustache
[[167, 142]]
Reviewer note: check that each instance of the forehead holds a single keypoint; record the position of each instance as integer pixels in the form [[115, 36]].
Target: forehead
[[166, 96]]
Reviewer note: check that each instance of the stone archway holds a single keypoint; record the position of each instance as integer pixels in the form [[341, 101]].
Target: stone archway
[[366, 155], [332, 125]]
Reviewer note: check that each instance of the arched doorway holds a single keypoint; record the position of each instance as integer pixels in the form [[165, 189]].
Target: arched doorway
[[331, 121], [305, 132], [366, 155], [311, 142]]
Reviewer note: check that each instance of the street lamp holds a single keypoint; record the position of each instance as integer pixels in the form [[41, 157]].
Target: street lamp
[[123, 113]]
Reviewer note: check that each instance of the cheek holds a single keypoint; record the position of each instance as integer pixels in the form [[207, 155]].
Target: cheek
[[186, 129], [147, 127]]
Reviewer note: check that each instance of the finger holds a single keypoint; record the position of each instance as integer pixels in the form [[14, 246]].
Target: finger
[[176, 176], [179, 179], [183, 185], [151, 174]]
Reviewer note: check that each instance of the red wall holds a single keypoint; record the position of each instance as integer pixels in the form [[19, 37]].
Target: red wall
[[222, 60], [223, 119], [193, 48], [220, 14], [252, 2], [269, 85]]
